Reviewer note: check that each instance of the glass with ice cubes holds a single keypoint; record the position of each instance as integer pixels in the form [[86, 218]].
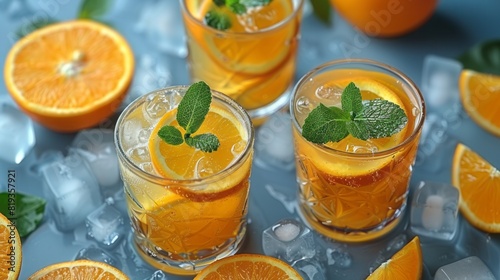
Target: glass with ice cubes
[[184, 221]]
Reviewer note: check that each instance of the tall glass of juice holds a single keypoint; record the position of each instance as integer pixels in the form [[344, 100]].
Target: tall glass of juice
[[355, 190], [246, 51], [188, 207]]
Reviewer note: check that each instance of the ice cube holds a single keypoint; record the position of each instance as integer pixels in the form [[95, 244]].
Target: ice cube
[[435, 143], [94, 253], [105, 225], [97, 147], [309, 269], [468, 268], [72, 191], [17, 136], [288, 240], [440, 81], [274, 143], [338, 257], [44, 160], [434, 211], [161, 22]]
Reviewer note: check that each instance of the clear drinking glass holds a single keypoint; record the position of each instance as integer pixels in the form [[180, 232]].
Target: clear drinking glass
[[254, 65], [355, 190], [181, 225]]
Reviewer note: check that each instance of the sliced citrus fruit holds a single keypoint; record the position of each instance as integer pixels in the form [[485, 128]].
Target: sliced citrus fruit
[[76, 270], [71, 75], [183, 162], [405, 264], [480, 95], [10, 250], [247, 267], [479, 185]]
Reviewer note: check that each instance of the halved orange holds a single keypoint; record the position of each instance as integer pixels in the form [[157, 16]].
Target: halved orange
[[479, 185], [480, 95], [182, 162], [248, 267], [10, 250], [71, 75], [405, 264], [77, 270]]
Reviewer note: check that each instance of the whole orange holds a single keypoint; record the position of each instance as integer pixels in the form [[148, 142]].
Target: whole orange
[[385, 18]]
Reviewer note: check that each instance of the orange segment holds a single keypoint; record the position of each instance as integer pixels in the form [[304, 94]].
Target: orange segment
[[10, 250], [480, 95], [405, 264], [77, 270], [248, 267], [479, 185], [71, 75]]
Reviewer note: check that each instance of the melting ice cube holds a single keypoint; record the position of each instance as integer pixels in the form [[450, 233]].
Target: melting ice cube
[[105, 225], [468, 268], [17, 136]]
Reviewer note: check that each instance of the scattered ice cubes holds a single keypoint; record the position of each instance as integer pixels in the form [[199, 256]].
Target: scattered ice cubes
[[434, 211], [440, 81], [96, 146], [105, 225], [94, 253], [309, 269], [45, 159], [338, 257], [72, 191], [289, 240], [161, 22], [157, 275], [468, 268], [274, 144], [17, 136]]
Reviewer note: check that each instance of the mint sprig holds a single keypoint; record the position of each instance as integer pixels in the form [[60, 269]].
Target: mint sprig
[[371, 119], [219, 20], [191, 113]]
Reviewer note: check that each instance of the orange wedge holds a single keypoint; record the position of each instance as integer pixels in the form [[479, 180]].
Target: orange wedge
[[10, 250], [77, 270], [182, 162], [405, 264], [480, 95], [71, 75], [248, 267], [479, 186]]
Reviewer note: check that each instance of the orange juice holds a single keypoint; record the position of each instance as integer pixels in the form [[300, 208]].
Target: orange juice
[[187, 207], [355, 190], [254, 60]]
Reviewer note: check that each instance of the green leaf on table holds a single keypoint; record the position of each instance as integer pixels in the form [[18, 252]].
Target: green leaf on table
[[93, 9], [31, 26], [27, 213], [484, 57], [322, 10], [206, 142]]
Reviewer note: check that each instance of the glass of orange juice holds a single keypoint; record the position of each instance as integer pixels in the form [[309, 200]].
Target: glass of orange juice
[[187, 207], [249, 53], [355, 189]]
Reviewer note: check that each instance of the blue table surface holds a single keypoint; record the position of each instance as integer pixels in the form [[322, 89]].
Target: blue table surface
[[455, 26]]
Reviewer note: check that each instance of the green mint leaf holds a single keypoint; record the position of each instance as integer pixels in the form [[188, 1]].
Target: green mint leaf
[[93, 9], [322, 10], [358, 129], [219, 3], [206, 142], [483, 57], [325, 124], [238, 8], [28, 212], [171, 135], [217, 20], [194, 107], [31, 26], [382, 118], [351, 100]]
